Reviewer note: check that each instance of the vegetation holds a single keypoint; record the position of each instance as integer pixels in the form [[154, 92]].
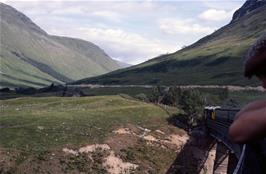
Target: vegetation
[[173, 96], [157, 94], [192, 102], [142, 97]]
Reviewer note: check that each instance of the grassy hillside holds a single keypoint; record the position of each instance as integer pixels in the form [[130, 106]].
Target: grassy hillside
[[33, 132], [89, 50], [31, 57], [216, 59]]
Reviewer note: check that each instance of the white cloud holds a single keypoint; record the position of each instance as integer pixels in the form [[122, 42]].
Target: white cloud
[[130, 47], [127, 45], [173, 26], [216, 15], [223, 5], [68, 11], [113, 16]]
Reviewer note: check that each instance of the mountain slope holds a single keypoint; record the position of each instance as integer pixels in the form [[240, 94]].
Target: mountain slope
[[31, 57], [216, 59], [123, 64]]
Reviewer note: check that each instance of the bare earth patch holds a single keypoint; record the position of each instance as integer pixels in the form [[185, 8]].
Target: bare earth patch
[[155, 137], [129, 137], [112, 163], [70, 151], [123, 131], [87, 149], [115, 165], [92, 148], [177, 140], [150, 138], [160, 132]]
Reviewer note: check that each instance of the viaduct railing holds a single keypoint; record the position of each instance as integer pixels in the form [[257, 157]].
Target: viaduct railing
[[218, 121]]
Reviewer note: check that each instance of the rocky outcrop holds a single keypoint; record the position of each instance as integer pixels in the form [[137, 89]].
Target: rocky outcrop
[[248, 7]]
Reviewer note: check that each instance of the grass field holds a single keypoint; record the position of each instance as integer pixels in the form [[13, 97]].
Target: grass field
[[34, 129], [69, 120]]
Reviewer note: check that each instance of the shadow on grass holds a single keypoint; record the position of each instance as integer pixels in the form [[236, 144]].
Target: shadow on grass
[[193, 155], [178, 120]]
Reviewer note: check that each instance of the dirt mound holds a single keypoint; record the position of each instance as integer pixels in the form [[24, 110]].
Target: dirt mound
[[112, 163], [115, 165], [155, 137]]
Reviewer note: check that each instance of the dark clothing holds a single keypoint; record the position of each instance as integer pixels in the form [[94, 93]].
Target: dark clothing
[[255, 158]]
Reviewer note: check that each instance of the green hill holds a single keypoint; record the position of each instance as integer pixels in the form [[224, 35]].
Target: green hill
[[215, 59], [31, 57]]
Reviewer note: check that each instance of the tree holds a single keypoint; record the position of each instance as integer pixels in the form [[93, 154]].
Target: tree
[[142, 97], [157, 94], [192, 103], [172, 96], [224, 94]]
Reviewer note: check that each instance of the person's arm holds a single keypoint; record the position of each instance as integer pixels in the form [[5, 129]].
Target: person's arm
[[250, 125], [251, 106]]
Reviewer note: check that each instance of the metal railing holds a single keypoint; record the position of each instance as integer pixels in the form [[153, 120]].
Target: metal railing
[[218, 121]]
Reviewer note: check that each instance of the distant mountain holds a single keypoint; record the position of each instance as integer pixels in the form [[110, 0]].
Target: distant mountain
[[123, 64], [31, 57], [216, 59], [247, 8]]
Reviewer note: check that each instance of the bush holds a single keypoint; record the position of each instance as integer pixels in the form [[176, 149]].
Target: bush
[[224, 94], [5, 90], [142, 97], [157, 94], [26, 91], [192, 103], [172, 96]]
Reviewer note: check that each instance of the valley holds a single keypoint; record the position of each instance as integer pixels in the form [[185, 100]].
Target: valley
[[66, 106], [216, 59]]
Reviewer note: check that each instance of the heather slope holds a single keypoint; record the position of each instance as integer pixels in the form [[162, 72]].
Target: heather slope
[[215, 59]]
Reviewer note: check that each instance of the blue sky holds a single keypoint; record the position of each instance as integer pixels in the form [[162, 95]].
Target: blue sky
[[131, 31]]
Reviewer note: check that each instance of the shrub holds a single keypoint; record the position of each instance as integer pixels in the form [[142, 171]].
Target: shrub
[[172, 96], [142, 97], [26, 91], [157, 94], [224, 94], [192, 103], [5, 90]]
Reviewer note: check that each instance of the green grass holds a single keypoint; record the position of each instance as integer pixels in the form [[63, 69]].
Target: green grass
[[244, 97], [19, 73], [115, 91], [70, 121]]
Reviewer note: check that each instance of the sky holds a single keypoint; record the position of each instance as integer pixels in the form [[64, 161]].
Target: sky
[[131, 31]]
